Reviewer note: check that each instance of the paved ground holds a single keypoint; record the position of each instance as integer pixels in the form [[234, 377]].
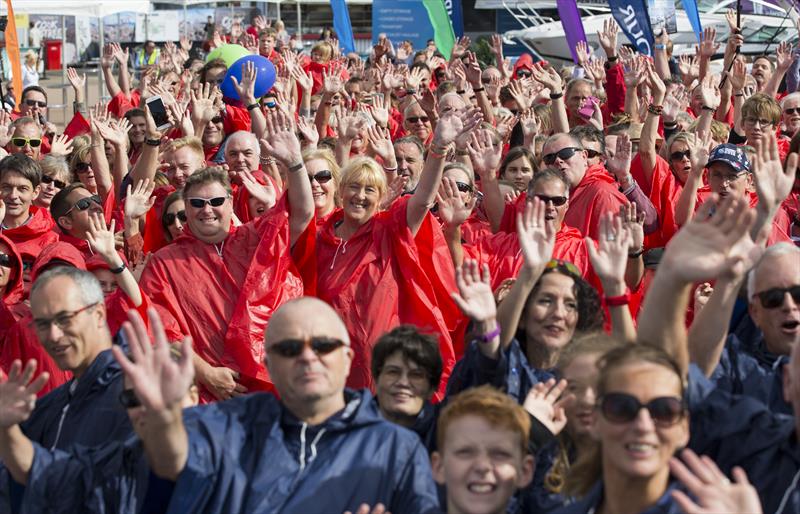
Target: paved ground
[[64, 96]]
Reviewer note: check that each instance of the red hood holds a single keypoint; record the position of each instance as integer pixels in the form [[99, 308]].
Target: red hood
[[40, 223], [14, 289], [97, 262], [240, 198], [58, 251], [154, 237], [525, 61], [595, 174]]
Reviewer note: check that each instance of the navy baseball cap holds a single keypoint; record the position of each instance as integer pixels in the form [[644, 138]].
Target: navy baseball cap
[[731, 155]]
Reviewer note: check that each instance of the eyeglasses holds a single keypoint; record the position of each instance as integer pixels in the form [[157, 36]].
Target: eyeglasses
[[22, 141], [392, 374], [563, 266], [558, 201], [82, 167], [523, 73], [291, 348], [34, 103], [592, 153], [721, 179], [564, 154], [85, 203], [676, 156], [759, 121], [62, 321], [6, 260], [623, 408], [463, 187], [417, 119], [170, 217], [322, 177], [51, 180], [128, 399], [792, 110], [216, 119], [773, 298], [199, 203]]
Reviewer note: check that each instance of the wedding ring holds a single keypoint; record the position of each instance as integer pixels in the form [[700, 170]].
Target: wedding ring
[[32, 404]]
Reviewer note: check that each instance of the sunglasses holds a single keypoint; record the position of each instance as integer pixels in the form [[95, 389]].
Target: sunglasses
[[676, 156], [6, 260], [170, 217], [792, 110], [321, 177], [34, 103], [51, 180], [773, 298], [85, 203], [291, 348], [523, 73], [464, 187], [216, 119], [563, 266], [82, 167], [22, 141], [199, 203], [593, 153], [558, 201], [417, 119], [564, 154], [623, 408], [128, 399]]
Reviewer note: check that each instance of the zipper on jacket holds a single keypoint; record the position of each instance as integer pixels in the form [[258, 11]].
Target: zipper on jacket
[[60, 424]]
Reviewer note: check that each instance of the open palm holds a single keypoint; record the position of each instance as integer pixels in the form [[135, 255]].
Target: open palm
[[537, 237], [474, 297]]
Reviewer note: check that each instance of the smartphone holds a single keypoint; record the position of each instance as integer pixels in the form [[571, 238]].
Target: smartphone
[[159, 112], [586, 110]]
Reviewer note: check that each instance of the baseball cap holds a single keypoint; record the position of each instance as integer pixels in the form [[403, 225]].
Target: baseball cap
[[731, 155]]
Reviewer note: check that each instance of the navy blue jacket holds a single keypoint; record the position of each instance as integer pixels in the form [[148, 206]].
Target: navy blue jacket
[[250, 455], [589, 503], [751, 370]]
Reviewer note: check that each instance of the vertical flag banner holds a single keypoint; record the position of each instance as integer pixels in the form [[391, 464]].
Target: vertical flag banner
[[573, 27], [690, 6], [342, 26], [632, 17], [12, 49], [442, 28], [456, 16]]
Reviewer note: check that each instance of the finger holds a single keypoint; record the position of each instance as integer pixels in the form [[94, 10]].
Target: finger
[[685, 503], [685, 476], [40, 381], [27, 373]]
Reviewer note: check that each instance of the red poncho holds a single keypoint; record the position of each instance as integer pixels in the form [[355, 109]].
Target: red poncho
[[780, 225], [663, 191], [384, 276], [37, 233], [225, 301]]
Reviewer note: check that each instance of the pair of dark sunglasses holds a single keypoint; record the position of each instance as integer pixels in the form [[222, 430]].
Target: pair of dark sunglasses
[[464, 187], [170, 217], [592, 153], [291, 348], [128, 399], [34, 103], [199, 203], [676, 156], [773, 298], [792, 110], [82, 167], [564, 154], [623, 408], [523, 73], [6, 260], [216, 119], [558, 201], [85, 203], [51, 180], [321, 177], [20, 142], [416, 119]]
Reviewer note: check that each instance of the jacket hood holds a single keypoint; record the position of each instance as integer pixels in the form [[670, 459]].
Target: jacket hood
[[359, 411], [14, 288], [61, 252], [97, 262], [525, 62]]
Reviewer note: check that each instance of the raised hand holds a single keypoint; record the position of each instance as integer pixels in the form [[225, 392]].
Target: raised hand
[[548, 77], [701, 296], [484, 155], [709, 89], [583, 52], [280, 140], [331, 81], [100, 237], [139, 199], [381, 143], [707, 45], [595, 71], [452, 125], [303, 79], [380, 110], [204, 106], [107, 59], [18, 392], [473, 70], [610, 258], [699, 148], [537, 237], [633, 222], [246, 88], [111, 134], [77, 81], [475, 297], [264, 193], [159, 382], [674, 104], [738, 75], [120, 55], [453, 212], [773, 181], [309, 131], [543, 403], [711, 491], [517, 88], [689, 67], [530, 125], [620, 164], [62, 145], [461, 46], [608, 37], [396, 188], [785, 56]]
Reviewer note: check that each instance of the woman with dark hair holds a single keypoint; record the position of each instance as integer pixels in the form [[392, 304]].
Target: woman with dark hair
[[173, 216], [518, 167]]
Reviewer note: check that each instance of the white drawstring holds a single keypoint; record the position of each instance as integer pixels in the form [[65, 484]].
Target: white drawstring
[[788, 493], [303, 446], [314, 446], [343, 246]]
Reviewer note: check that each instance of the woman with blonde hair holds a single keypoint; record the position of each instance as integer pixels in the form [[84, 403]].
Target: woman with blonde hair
[[30, 73], [323, 173]]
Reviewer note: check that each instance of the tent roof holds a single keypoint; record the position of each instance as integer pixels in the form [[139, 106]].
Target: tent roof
[[95, 8]]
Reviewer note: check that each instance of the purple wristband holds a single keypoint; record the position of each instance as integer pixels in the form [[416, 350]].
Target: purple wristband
[[485, 338]]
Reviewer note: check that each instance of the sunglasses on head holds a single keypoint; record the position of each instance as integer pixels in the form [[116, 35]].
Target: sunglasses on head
[[82, 167], [773, 298], [564, 154], [85, 203], [558, 201], [676, 156], [563, 266], [51, 180], [22, 141], [417, 119], [321, 177], [128, 399], [6, 260], [623, 408], [199, 203], [170, 217], [290, 348], [34, 103], [464, 187]]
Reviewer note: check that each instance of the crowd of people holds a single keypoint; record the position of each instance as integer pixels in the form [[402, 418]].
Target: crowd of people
[[408, 283]]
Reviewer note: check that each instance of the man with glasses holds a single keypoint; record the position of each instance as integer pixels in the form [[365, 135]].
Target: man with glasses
[[416, 122], [26, 137], [790, 114], [71, 209]]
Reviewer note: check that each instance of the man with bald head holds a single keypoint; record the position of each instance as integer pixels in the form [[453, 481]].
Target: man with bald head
[[319, 449], [241, 153]]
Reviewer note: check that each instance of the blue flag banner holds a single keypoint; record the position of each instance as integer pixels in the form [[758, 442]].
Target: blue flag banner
[[341, 24], [573, 27], [456, 16], [690, 6], [632, 17]]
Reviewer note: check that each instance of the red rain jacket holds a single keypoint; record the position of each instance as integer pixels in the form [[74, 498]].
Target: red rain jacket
[[31, 238], [663, 191], [780, 225]]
